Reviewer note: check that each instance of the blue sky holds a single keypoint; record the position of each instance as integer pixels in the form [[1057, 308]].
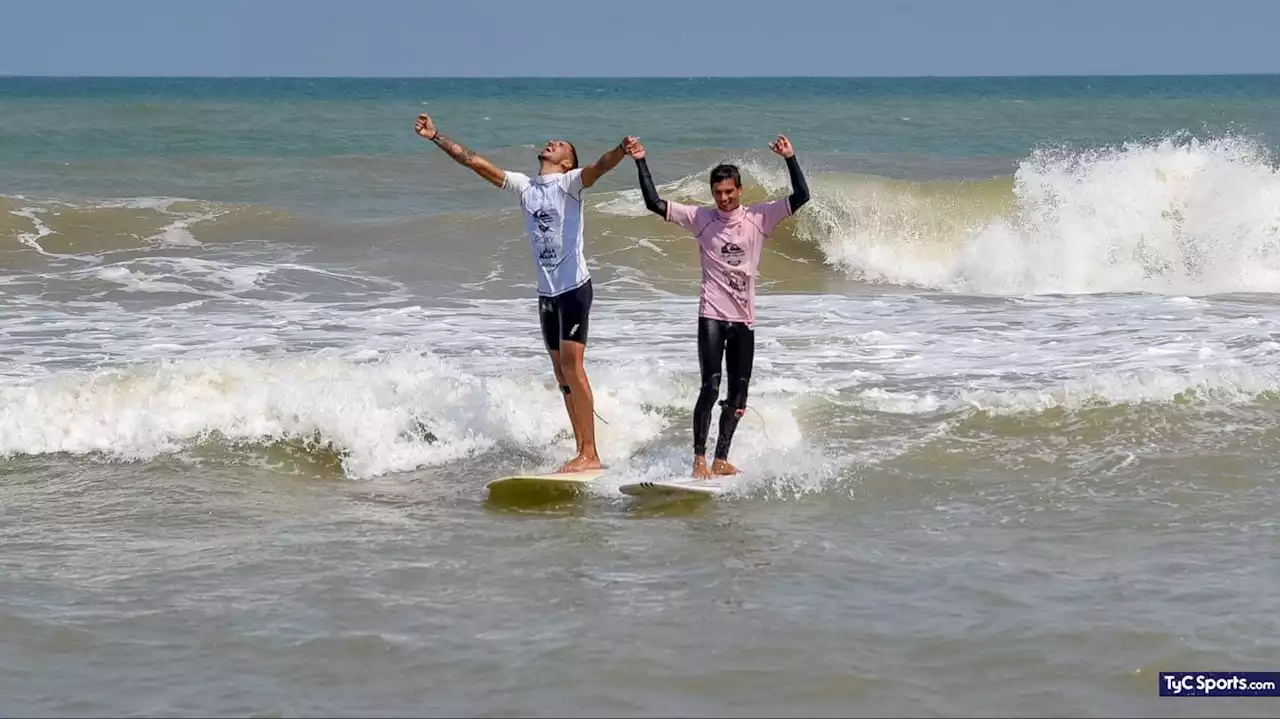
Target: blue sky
[[465, 38]]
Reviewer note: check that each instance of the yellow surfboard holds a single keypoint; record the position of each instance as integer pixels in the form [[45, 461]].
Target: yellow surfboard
[[566, 481]]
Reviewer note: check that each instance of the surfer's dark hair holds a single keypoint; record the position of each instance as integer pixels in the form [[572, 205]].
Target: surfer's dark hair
[[573, 151], [725, 171]]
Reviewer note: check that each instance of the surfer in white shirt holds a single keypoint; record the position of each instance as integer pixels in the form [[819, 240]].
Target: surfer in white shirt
[[551, 202]]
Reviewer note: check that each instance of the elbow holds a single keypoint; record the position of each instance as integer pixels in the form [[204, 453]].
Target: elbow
[[798, 199], [657, 207]]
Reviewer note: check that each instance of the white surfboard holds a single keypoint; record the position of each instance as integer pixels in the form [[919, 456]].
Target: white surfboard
[[678, 488], [565, 481]]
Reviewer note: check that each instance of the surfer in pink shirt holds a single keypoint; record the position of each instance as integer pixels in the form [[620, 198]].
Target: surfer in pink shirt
[[730, 240]]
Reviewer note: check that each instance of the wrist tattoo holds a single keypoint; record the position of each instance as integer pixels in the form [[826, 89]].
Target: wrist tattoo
[[455, 150]]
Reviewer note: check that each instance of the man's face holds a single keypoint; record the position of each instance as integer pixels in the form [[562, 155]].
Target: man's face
[[558, 152], [727, 194]]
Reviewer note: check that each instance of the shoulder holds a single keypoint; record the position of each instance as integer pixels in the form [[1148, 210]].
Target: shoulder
[[691, 209], [514, 181], [679, 210], [571, 181], [691, 217], [771, 208], [769, 214]]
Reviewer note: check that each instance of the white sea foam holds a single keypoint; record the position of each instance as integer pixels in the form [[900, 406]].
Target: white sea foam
[[95, 378]]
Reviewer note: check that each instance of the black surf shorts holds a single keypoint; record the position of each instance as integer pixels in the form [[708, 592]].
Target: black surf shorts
[[565, 316]]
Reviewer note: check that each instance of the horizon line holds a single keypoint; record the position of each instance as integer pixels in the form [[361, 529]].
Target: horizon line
[[639, 77]]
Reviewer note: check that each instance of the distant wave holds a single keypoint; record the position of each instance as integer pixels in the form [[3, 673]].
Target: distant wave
[[83, 229]]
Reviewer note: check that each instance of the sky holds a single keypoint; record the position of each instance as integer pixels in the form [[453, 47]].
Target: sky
[[657, 38]]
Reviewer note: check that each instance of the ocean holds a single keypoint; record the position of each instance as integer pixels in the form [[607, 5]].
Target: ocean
[[1012, 442]]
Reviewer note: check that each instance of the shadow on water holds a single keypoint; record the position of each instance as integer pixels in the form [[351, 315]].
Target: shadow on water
[[669, 507], [575, 502]]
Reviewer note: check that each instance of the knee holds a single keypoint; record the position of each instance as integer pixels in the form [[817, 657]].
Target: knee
[[737, 396], [570, 369], [556, 366], [711, 385]]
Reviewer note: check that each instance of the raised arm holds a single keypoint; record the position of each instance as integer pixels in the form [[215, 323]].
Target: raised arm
[[607, 161], [656, 205], [799, 188], [462, 155]]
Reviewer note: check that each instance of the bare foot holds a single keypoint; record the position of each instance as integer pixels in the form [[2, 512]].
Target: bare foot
[[722, 468], [700, 470], [581, 463]]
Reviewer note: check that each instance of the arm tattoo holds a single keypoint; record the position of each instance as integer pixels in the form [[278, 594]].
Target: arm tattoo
[[455, 150]]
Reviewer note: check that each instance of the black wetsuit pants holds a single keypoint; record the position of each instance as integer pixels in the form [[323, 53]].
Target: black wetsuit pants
[[734, 344]]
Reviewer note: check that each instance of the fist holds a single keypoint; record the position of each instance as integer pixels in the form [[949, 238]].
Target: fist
[[782, 146], [633, 147], [425, 127]]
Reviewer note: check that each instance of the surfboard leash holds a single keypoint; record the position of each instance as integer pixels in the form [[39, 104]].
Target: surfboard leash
[[763, 427]]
